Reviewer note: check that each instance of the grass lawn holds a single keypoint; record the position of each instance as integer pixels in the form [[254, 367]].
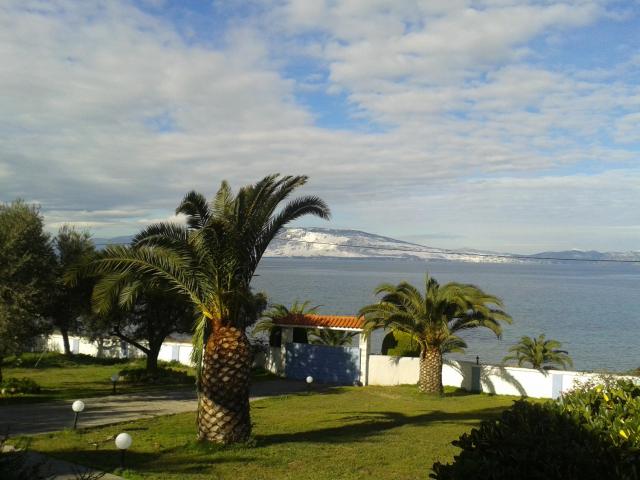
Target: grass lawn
[[80, 376], [344, 433]]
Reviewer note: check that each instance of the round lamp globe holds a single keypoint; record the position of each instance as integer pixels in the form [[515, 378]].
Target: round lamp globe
[[123, 441], [309, 379], [77, 406]]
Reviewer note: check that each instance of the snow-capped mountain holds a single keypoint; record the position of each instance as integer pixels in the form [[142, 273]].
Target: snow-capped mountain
[[324, 242], [334, 243]]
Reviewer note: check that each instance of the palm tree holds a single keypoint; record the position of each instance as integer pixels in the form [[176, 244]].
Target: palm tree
[[212, 260], [433, 320], [279, 311], [539, 353], [333, 338]]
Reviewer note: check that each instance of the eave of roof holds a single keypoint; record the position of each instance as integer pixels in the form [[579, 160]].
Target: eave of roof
[[337, 322]]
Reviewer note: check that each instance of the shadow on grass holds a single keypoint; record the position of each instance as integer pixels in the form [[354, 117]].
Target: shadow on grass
[[364, 425], [180, 460], [195, 457]]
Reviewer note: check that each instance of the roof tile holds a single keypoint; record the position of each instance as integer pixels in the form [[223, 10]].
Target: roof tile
[[326, 321]]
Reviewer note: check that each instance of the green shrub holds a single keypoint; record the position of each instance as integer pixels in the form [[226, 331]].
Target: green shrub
[[400, 344], [161, 376], [612, 409], [592, 432], [15, 386]]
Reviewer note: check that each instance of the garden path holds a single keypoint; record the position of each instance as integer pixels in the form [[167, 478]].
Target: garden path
[[35, 418]]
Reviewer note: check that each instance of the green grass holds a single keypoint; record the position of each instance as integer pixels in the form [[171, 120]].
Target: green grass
[[344, 433], [81, 376]]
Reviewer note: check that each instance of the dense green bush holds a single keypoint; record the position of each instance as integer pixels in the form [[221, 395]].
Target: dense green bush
[[591, 433], [15, 386], [400, 344], [161, 376], [612, 409]]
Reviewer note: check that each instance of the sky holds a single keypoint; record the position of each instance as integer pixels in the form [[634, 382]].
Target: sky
[[510, 126]]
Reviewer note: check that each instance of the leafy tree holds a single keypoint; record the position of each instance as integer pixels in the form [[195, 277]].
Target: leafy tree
[[539, 353], [433, 320], [334, 338], [71, 303], [27, 267], [147, 313], [212, 260], [278, 311]]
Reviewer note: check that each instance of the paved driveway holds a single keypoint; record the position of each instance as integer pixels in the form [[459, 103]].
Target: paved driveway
[[37, 418]]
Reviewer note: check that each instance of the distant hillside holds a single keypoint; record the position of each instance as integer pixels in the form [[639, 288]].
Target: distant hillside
[[590, 255], [336, 243], [101, 243]]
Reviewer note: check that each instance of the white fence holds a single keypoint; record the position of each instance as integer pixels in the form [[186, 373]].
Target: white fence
[[375, 369]]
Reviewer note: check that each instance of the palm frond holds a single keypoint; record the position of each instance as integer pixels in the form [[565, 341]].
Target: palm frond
[[195, 206]]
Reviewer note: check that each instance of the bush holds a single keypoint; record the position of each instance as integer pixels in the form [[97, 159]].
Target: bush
[[15, 386], [400, 344], [612, 409], [593, 432], [160, 376]]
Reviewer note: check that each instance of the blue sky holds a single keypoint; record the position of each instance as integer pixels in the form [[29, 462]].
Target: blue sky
[[501, 125]]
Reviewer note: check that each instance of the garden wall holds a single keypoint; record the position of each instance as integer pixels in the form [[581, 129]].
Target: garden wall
[[375, 369], [495, 379]]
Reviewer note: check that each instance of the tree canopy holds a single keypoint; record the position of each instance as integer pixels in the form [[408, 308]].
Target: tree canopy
[[27, 276]]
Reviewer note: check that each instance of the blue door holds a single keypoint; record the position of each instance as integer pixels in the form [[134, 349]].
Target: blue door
[[338, 365]]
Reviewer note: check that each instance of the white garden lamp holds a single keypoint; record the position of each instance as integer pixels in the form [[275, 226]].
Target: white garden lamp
[[309, 379], [77, 407], [123, 442], [114, 379]]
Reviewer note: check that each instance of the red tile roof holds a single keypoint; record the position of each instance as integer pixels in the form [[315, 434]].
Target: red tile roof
[[327, 321]]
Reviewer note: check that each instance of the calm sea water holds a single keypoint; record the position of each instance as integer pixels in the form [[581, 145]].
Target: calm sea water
[[592, 308]]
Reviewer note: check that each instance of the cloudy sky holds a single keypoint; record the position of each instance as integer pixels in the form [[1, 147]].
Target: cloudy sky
[[503, 125]]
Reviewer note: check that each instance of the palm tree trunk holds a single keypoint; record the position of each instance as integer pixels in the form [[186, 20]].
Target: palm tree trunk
[[223, 410], [430, 380], [65, 341]]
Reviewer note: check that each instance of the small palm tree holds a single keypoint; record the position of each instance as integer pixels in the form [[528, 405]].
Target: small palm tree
[[333, 338], [212, 260], [539, 353], [279, 311], [433, 320]]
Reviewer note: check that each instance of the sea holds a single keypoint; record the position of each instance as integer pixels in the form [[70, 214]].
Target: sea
[[592, 308]]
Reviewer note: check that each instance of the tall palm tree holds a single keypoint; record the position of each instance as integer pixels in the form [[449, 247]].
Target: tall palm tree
[[539, 353], [212, 260], [433, 320]]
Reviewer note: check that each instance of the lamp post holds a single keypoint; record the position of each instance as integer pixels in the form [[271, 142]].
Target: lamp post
[[123, 441], [77, 407], [114, 379]]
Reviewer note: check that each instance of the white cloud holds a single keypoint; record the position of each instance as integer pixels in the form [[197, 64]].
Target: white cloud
[[109, 116]]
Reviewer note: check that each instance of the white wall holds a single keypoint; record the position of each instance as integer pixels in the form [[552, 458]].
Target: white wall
[[380, 369], [274, 362], [113, 347], [387, 370]]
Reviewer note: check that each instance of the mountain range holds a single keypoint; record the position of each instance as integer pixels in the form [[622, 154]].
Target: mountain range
[[336, 243]]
